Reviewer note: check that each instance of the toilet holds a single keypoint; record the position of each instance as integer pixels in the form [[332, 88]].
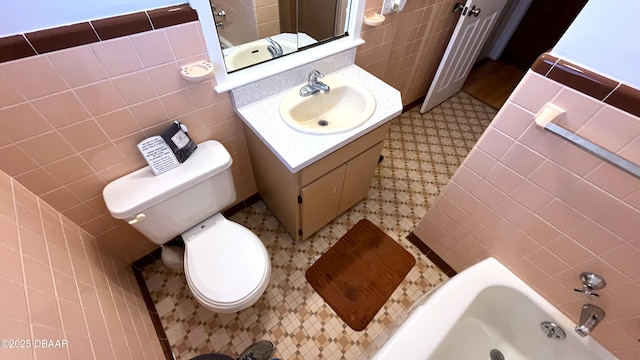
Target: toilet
[[227, 267]]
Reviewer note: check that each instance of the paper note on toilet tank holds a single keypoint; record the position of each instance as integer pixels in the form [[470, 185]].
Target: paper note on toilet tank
[[158, 154]]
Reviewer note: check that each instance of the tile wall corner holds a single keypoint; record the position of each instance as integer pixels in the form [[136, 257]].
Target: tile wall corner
[[547, 209], [59, 284]]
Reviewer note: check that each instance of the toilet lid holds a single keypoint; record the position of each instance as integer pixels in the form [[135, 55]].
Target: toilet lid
[[226, 262]]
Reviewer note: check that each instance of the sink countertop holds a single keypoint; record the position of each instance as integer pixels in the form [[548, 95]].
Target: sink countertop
[[297, 150]]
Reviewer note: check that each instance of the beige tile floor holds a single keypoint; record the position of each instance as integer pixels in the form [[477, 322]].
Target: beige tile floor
[[420, 155]]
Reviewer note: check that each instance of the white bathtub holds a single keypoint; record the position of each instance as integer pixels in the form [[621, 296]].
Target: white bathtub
[[483, 308]]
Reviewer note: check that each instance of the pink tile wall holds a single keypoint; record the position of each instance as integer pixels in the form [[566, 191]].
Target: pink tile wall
[[241, 23], [70, 121], [59, 283], [406, 49], [549, 210], [268, 18]]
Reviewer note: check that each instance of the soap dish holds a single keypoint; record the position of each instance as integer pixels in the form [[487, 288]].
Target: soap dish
[[197, 71], [375, 19]]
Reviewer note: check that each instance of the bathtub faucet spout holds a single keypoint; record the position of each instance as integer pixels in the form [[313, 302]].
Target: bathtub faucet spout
[[590, 317]]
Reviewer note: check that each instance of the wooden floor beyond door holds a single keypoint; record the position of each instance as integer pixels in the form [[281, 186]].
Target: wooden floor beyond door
[[492, 81]]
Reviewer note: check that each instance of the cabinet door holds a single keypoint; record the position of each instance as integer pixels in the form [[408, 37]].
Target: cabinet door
[[320, 201], [357, 181]]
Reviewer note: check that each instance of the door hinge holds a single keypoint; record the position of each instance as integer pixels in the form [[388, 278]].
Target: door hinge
[[300, 232], [299, 199]]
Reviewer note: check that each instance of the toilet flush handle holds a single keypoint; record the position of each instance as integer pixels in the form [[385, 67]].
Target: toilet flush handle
[[137, 218]]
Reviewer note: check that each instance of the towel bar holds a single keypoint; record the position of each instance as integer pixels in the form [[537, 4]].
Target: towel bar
[[598, 151]]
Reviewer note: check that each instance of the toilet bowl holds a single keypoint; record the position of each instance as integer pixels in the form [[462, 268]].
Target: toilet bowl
[[227, 266]]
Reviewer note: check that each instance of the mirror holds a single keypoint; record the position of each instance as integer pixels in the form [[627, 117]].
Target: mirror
[[226, 81], [252, 32]]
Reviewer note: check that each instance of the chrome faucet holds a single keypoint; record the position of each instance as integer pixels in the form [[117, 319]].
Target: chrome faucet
[[274, 48], [221, 13], [313, 85], [590, 317]]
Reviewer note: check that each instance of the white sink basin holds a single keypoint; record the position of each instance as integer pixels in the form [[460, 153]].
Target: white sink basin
[[345, 107], [254, 52]]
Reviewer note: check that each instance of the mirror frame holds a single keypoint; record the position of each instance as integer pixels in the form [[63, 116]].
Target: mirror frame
[[226, 81]]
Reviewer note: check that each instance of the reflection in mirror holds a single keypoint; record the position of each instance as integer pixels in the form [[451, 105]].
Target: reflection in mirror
[[255, 31], [322, 20]]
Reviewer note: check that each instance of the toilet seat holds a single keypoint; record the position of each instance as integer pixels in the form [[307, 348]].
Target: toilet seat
[[226, 265]]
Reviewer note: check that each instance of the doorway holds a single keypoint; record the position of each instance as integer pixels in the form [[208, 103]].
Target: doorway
[[542, 26], [492, 81], [314, 18], [544, 22]]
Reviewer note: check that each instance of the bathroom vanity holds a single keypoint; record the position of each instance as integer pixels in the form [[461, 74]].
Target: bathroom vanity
[[306, 200], [307, 180]]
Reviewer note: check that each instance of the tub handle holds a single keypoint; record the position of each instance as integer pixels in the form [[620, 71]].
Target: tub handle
[[587, 292], [590, 283]]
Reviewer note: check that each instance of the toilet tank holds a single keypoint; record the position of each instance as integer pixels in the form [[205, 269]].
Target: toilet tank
[[164, 206]]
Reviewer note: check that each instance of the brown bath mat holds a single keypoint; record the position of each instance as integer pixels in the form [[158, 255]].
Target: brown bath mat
[[357, 275]]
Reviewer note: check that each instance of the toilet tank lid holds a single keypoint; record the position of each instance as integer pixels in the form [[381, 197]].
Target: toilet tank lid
[[129, 195]]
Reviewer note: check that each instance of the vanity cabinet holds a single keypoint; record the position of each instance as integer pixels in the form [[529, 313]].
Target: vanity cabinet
[[307, 200], [319, 201]]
